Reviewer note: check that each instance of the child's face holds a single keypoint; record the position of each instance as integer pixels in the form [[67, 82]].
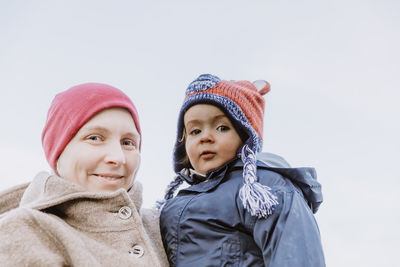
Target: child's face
[[211, 140]]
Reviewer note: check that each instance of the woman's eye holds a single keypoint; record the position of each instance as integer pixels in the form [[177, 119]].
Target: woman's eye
[[129, 143], [195, 132], [223, 128], [94, 138]]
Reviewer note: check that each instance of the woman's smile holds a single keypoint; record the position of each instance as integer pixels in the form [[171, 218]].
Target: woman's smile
[[110, 177], [104, 154]]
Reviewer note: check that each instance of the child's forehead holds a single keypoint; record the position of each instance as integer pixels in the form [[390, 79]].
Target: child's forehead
[[205, 107], [203, 112]]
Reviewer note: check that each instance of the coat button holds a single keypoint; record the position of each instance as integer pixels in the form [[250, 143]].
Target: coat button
[[125, 212], [137, 251]]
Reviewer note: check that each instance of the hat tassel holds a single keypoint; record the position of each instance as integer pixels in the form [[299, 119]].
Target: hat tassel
[[256, 198], [169, 193]]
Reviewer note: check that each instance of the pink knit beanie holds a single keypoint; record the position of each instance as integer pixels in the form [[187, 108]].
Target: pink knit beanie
[[71, 109]]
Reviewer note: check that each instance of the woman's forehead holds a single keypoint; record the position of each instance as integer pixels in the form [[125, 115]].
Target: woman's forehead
[[112, 119]]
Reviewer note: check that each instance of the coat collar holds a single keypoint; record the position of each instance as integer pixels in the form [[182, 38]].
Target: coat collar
[[47, 190], [91, 211]]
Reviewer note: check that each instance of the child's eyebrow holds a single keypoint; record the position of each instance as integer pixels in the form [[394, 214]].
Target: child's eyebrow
[[197, 121], [220, 117], [188, 124]]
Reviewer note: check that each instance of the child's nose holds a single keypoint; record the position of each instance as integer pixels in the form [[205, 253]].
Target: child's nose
[[206, 136]]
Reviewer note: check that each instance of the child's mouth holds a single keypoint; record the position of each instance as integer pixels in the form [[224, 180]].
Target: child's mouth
[[207, 155]]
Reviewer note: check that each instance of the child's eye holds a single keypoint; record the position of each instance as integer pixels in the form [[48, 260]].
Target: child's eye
[[223, 128], [195, 132]]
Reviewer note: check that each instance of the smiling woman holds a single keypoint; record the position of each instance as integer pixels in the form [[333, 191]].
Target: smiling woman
[[88, 212], [103, 155]]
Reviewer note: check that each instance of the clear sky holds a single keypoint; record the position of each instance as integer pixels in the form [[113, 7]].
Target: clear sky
[[333, 67]]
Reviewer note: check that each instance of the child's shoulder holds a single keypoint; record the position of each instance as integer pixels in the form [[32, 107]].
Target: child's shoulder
[[268, 165], [281, 177], [275, 172], [266, 175]]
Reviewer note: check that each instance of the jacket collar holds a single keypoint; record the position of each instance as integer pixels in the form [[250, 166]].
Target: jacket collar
[[304, 178], [212, 179]]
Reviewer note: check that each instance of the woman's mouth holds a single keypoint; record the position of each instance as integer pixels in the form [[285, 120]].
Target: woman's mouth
[[109, 177]]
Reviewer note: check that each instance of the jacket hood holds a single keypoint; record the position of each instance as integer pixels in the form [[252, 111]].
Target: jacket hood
[[304, 178]]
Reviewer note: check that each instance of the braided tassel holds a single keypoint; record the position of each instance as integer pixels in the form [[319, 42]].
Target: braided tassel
[[169, 192], [256, 198]]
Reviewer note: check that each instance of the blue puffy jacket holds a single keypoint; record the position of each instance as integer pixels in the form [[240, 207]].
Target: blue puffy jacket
[[207, 225]]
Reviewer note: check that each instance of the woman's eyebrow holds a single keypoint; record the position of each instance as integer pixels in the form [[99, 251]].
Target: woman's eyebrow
[[95, 128], [133, 135], [104, 130]]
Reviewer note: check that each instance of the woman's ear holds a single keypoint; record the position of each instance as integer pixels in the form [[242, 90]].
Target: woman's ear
[[58, 169]]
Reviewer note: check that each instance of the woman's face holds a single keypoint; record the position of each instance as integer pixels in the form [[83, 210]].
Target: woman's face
[[104, 155]]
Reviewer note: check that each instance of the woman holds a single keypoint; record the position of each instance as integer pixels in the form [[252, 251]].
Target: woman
[[87, 213]]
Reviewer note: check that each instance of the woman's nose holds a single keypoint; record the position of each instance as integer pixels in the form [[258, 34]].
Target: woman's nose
[[115, 154]]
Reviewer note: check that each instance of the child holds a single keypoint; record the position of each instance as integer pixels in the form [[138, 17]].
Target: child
[[237, 211]]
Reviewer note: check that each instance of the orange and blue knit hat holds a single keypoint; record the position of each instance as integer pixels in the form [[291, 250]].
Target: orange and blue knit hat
[[243, 104]]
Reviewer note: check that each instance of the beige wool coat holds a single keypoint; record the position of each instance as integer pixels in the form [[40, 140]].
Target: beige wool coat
[[54, 222]]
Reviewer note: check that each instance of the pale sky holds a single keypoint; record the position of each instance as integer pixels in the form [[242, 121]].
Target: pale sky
[[333, 67]]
